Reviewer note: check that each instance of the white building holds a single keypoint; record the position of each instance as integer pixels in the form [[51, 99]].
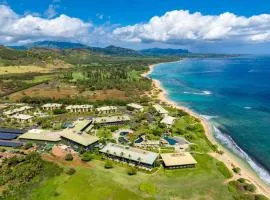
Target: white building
[[107, 109], [79, 108], [112, 120], [17, 110], [51, 106], [160, 109], [168, 120], [130, 154], [22, 118], [135, 106]]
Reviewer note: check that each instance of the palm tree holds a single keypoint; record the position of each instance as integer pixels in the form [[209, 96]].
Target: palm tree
[[108, 152], [139, 160], [129, 156]]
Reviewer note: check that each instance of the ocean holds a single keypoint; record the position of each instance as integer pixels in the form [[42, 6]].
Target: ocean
[[233, 94]]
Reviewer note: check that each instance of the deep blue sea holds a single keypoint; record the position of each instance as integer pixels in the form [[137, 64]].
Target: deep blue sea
[[233, 94]]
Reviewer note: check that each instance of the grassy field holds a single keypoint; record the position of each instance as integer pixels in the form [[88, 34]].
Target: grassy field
[[203, 182], [28, 69]]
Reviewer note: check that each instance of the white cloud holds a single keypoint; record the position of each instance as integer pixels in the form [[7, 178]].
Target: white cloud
[[182, 27], [51, 11], [21, 29]]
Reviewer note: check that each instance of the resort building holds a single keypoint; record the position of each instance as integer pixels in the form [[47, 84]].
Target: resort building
[[112, 120], [168, 120], [82, 126], [135, 106], [40, 135], [130, 155], [18, 110], [83, 140], [106, 109], [160, 109], [79, 108], [51, 106], [178, 160], [22, 118]]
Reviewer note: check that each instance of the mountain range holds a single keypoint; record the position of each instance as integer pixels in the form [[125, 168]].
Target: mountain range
[[109, 50]]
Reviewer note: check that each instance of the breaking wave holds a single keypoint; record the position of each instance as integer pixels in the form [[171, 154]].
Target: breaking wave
[[229, 142], [205, 92]]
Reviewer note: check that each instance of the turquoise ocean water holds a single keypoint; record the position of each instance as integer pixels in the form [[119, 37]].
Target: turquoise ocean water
[[233, 94]]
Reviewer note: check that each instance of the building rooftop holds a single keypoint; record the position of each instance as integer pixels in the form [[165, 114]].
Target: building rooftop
[[177, 159], [106, 108], [136, 106], [111, 119], [16, 110], [78, 106], [130, 153], [21, 116], [81, 125], [42, 135], [83, 139], [168, 120], [160, 109], [52, 105]]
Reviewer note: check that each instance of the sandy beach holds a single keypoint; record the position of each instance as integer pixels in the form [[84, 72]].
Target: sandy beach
[[227, 157]]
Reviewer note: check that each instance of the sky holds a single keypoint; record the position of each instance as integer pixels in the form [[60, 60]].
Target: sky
[[203, 26]]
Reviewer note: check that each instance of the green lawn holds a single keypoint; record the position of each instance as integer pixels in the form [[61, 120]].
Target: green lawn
[[203, 182]]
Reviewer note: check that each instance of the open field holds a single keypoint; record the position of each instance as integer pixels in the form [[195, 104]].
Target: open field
[[203, 182], [29, 69], [58, 91]]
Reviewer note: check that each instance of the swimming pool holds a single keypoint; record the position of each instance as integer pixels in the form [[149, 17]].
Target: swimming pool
[[138, 140], [124, 133], [171, 141]]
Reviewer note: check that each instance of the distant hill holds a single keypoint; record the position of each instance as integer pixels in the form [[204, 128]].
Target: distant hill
[[109, 50], [116, 51], [164, 52], [56, 45]]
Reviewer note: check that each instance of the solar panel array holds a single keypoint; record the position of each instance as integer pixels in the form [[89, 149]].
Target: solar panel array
[[8, 136], [10, 143], [15, 131]]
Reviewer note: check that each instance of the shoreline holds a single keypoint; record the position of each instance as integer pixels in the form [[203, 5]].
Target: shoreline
[[228, 158]]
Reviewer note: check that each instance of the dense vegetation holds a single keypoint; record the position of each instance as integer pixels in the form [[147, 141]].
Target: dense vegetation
[[20, 174]]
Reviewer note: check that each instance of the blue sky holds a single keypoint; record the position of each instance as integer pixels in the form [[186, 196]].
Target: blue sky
[[127, 12], [104, 22]]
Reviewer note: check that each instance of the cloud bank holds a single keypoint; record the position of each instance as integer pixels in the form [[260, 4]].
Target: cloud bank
[[28, 28], [183, 27], [177, 28]]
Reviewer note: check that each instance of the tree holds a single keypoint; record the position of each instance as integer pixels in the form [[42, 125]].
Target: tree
[[71, 171], [69, 157], [132, 171], [86, 156], [108, 164], [28, 145]]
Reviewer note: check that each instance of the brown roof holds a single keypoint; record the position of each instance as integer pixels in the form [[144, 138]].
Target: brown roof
[[176, 159]]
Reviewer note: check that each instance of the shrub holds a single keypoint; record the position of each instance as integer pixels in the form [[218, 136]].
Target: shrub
[[28, 145], [236, 170], [224, 170], [86, 156], [108, 164], [132, 171], [241, 180], [250, 187], [260, 197], [59, 111], [71, 171], [69, 157]]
